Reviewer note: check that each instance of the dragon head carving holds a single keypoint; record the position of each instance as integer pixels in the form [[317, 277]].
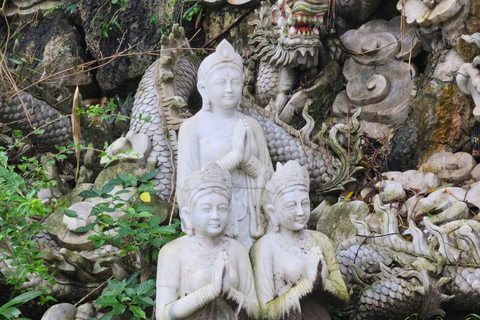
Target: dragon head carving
[[287, 33]]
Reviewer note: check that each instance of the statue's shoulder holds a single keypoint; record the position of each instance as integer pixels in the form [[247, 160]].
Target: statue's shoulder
[[192, 124], [237, 248], [265, 242], [175, 246]]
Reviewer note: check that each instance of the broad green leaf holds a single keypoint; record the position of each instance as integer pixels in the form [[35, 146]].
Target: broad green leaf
[[21, 299], [149, 175], [70, 213], [109, 186], [146, 301], [93, 193], [145, 287], [11, 313], [137, 311], [119, 309]]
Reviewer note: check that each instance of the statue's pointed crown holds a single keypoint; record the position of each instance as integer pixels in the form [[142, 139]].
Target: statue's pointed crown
[[212, 176], [287, 175], [223, 54]]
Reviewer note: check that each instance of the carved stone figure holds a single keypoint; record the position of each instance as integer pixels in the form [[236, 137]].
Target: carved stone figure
[[205, 274], [220, 133], [300, 288]]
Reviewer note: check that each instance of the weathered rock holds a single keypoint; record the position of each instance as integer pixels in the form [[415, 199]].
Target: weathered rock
[[414, 180], [450, 62], [390, 191], [64, 311], [62, 53], [441, 115], [83, 219], [335, 221], [448, 166], [85, 311], [476, 173], [109, 29]]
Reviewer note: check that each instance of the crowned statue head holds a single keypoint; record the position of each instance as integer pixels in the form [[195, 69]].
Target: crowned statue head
[[206, 197], [286, 198], [220, 78]]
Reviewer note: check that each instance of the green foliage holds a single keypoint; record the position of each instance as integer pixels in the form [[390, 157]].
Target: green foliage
[[108, 25], [115, 109], [194, 10], [10, 309], [141, 230], [128, 294], [68, 8], [19, 219]]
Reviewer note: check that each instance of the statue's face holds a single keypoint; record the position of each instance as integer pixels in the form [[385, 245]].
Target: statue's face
[[210, 214], [292, 208], [224, 86]]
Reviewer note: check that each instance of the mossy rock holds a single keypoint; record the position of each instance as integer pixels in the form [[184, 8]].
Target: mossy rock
[[335, 221]]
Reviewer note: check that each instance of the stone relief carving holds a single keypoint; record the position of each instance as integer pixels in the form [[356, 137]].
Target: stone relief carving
[[379, 80], [299, 288], [205, 274]]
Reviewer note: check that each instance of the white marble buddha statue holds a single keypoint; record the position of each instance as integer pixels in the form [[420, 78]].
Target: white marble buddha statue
[[220, 133], [205, 274], [296, 270]]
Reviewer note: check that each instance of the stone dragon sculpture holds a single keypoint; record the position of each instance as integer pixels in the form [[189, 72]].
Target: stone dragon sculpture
[[395, 276]]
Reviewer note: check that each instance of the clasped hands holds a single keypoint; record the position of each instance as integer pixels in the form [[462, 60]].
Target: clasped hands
[[242, 150], [317, 269]]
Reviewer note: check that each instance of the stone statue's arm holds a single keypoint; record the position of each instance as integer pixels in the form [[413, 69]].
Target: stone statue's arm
[[169, 305], [333, 284], [183, 307], [261, 165]]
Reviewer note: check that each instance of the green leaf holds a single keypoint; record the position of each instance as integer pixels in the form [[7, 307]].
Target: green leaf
[[106, 301], [84, 229], [109, 186], [70, 213], [146, 301], [11, 313], [157, 242], [119, 309], [154, 221], [137, 312], [21, 299], [127, 180], [145, 287], [149, 175], [93, 193], [116, 286], [167, 230]]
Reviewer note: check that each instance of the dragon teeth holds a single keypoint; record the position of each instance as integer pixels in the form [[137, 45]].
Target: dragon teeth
[[292, 31]]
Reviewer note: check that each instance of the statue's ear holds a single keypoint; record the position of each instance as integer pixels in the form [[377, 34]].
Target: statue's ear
[[187, 225], [201, 87], [272, 215]]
